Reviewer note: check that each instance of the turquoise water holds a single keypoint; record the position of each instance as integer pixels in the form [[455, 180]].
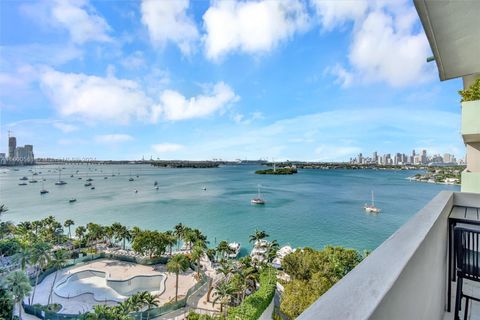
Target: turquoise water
[[312, 208]]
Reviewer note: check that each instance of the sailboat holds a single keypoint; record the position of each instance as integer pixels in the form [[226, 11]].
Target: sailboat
[[371, 207], [258, 199], [60, 182], [43, 191]]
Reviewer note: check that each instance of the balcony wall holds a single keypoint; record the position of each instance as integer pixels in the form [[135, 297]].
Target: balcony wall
[[470, 121], [470, 181], [405, 277]]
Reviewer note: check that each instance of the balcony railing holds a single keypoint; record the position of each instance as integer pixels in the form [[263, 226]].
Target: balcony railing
[[405, 277]]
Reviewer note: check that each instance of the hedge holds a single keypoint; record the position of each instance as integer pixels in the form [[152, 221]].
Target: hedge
[[254, 305]]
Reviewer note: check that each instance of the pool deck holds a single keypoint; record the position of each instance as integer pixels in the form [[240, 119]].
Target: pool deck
[[118, 270]]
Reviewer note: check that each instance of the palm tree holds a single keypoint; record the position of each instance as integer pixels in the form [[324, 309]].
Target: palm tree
[[197, 253], [223, 248], [258, 235], [223, 293], [67, 224], [39, 257], [3, 209], [170, 240], [179, 233], [272, 250], [19, 285], [23, 254], [135, 232], [124, 234], [80, 232], [150, 301], [178, 263], [58, 261]]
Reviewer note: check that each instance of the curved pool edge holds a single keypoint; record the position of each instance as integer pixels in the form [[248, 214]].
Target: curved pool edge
[[122, 297]]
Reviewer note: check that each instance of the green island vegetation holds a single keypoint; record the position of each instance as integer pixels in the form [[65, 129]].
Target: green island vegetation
[[285, 170], [312, 273], [472, 93], [244, 288], [446, 175]]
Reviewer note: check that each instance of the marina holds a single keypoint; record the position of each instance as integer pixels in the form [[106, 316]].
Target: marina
[[312, 208]]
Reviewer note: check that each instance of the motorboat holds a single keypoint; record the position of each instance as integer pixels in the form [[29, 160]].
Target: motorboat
[[235, 249], [88, 184], [23, 178], [22, 184], [72, 200]]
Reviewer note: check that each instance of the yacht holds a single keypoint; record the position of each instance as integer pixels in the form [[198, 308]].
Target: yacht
[[259, 250], [33, 181], [258, 199], [60, 182], [371, 207], [131, 179], [24, 178], [89, 179], [88, 184], [72, 200], [235, 247], [43, 191], [22, 184]]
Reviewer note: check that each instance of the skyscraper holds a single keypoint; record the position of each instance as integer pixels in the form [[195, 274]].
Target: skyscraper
[[12, 144]]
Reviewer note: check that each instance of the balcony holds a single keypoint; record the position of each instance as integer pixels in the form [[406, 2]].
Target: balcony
[[470, 181], [470, 121], [406, 276]]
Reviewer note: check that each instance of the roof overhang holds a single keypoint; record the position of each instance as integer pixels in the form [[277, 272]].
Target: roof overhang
[[453, 31]]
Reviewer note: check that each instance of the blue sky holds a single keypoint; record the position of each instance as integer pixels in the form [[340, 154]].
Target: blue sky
[[299, 80]]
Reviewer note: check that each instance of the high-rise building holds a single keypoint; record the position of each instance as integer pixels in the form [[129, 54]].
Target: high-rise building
[[424, 158], [360, 158], [12, 144], [375, 157]]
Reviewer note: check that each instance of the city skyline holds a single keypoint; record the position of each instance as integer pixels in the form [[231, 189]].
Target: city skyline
[[116, 85]]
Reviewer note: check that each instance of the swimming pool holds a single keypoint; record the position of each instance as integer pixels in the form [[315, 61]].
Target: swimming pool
[[102, 288]]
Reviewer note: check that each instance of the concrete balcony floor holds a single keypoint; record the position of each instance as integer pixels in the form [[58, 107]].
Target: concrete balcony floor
[[471, 288]]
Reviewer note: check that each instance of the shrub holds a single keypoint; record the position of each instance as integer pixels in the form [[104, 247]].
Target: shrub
[[254, 305], [472, 93]]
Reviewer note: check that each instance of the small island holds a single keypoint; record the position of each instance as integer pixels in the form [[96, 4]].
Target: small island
[[286, 170]]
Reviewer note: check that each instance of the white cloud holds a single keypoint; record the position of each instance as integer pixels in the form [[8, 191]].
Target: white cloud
[[328, 152], [386, 45], [251, 26], [335, 12], [174, 106], [342, 75], [166, 147], [168, 21], [94, 98], [65, 127], [113, 138], [134, 61], [76, 16]]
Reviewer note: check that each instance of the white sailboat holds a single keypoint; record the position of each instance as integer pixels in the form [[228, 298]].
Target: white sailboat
[[258, 199], [60, 182], [371, 207]]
